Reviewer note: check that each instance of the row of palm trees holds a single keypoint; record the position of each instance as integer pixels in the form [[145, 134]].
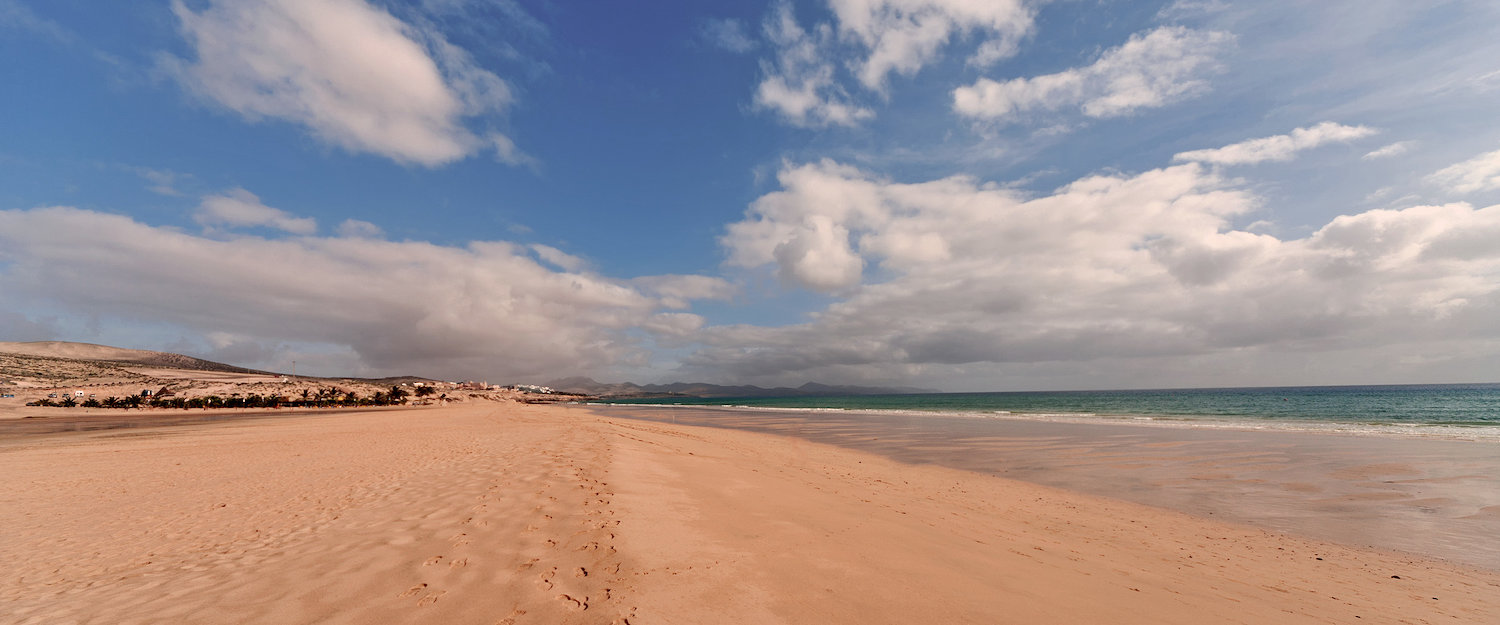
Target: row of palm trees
[[326, 397]]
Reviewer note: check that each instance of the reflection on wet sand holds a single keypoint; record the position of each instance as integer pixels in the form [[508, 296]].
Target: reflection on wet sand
[[1431, 497]]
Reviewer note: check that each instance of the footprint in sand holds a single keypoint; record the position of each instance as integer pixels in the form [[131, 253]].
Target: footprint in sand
[[545, 579], [433, 560], [576, 604], [431, 598], [411, 592], [459, 563], [527, 564]]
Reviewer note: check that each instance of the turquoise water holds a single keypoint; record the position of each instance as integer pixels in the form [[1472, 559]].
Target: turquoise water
[[1451, 405]]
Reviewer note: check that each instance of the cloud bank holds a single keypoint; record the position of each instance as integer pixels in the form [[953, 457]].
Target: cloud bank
[[954, 272], [487, 308]]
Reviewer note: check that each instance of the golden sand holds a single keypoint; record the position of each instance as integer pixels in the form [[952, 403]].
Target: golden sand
[[494, 513]]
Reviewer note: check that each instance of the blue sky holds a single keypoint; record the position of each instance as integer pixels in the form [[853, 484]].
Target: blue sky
[[946, 193]]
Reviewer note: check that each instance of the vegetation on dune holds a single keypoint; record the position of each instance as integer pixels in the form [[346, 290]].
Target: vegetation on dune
[[328, 397]]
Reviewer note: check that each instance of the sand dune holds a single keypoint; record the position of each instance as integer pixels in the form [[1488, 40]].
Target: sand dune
[[495, 513]]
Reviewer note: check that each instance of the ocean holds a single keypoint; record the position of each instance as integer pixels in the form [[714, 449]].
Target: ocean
[[1466, 410]]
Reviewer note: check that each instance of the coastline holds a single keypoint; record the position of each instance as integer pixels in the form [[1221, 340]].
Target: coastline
[[1426, 495], [506, 513]]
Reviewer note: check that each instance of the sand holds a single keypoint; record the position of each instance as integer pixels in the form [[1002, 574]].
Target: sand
[[1433, 496], [490, 513]]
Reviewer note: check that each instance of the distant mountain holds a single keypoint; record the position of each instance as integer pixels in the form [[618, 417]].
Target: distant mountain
[[589, 386], [90, 351]]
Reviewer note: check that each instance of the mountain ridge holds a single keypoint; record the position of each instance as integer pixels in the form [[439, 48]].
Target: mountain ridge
[[590, 386]]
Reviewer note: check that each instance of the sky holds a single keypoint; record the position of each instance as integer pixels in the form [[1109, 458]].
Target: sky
[[963, 195]]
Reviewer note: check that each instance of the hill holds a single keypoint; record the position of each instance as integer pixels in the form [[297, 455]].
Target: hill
[[91, 352]]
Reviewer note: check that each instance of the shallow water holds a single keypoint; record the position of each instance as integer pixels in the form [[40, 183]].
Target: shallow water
[[1436, 497]]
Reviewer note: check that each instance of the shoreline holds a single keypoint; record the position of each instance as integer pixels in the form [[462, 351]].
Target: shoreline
[[519, 514], [1477, 432], [1429, 496]]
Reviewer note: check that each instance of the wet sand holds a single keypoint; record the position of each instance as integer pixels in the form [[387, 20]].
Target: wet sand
[[41, 421], [509, 514], [1432, 497]]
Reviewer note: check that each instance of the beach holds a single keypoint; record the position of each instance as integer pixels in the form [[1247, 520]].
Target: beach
[[507, 513]]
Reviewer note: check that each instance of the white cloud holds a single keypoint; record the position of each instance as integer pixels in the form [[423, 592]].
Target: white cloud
[[483, 309], [1277, 147], [241, 208], [360, 229], [1151, 70], [676, 291], [728, 34], [1116, 267], [1481, 173], [1395, 149], [874, 38], [508, 153], [353, 74], [902, 36], [799, 83], [558, 258]]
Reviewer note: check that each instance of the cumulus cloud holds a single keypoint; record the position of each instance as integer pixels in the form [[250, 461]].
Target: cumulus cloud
[[902, 36], [485, 308], [1148, 71], [1278, 147], [239, 208], [1107, 267], [1481, 173], [798, 84], [350, 72], [1395, 149], [874, 38]]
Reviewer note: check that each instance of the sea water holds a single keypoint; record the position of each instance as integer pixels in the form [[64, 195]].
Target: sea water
[[1467, 410]]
